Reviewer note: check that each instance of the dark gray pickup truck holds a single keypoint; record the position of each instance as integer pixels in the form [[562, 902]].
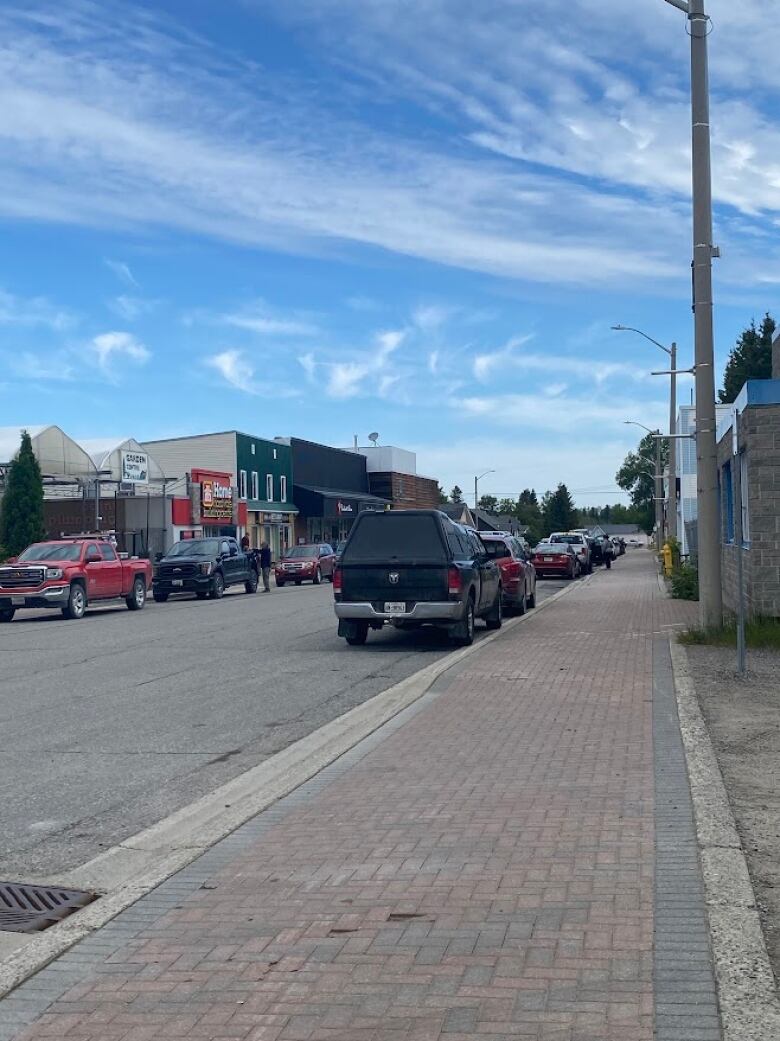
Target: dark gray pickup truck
[[415, 567], [205, 567]]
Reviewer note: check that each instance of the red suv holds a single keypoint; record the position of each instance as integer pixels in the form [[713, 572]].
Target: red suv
[[518, 575], [306, 564]]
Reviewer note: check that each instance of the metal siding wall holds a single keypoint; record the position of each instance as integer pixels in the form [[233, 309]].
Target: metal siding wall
[[209, 452], [324, 467]]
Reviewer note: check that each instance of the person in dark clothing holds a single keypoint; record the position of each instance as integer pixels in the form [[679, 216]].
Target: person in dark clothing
[[245, 544], [265, 566]]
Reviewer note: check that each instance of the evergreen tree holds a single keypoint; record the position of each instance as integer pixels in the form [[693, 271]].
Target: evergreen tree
[[21, 510], [558, 512], [456, 495], [750, 359], [442, 494], [528, 497], [488, 503]]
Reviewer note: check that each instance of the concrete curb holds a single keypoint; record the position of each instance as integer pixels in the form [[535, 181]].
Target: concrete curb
[[747, 993], [138, 865]]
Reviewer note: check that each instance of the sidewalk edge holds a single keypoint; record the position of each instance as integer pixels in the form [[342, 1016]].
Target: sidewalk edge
[[747, 993], [143, 861]]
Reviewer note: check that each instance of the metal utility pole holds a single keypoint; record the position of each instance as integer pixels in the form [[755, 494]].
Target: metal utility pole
[[659, 495], [710, 592]]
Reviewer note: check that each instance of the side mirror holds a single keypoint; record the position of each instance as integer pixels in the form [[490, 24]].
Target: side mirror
[[158, 557]]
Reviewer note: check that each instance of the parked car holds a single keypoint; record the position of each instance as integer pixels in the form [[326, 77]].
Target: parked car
[[556, 558], [412, 568], [581, 545], [72, 574], [518, 575], [206, 567], [306, 564]]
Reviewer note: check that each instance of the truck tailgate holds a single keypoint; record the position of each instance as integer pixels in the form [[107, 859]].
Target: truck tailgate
[[423, 583]]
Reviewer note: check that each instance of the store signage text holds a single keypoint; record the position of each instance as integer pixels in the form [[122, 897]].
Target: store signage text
[[216, 499], [344, 507], [135, 467]]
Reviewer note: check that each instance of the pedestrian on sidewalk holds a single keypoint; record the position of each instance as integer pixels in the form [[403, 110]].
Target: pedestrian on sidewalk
[[265, 566]]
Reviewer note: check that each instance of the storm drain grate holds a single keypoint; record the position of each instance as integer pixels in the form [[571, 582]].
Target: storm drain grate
[[30, 909]]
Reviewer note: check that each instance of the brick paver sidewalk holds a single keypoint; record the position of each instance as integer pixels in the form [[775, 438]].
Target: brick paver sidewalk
[[481, 868]]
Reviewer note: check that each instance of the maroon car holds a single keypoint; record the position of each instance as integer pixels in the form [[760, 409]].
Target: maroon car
[[309, 563], [556, 558], [518, 575]]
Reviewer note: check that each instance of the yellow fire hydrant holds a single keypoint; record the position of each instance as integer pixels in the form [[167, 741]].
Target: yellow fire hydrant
[[668, 555]]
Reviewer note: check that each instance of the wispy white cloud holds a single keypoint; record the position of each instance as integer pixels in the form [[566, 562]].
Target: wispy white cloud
[[35, 311], [122, 272], [364, 373], [240, 373], [258, 319], [110, 347], [56, 368], [485, 364], [131, 307]]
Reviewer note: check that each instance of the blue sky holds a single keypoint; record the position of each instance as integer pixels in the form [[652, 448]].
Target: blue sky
[[420, 217]]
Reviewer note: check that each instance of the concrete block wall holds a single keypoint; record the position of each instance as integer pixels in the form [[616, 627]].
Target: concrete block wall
[[760, 439]]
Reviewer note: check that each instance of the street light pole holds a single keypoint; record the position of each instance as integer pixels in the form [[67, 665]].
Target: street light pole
[[671, 513], [659, 483], [708, 535], [476, 495]]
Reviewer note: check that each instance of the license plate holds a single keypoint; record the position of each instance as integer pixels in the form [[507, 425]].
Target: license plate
[[177, 582], [395, 607], [17, 601], [548, 560]]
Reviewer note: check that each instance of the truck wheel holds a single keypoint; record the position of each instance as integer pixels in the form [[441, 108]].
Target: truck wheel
[[251, 583], [159, 598], [532, 598], [77, 602], [317, 577], [217, 587], [358, 634], [495, 619], [137, 598], [280, 584], [463, 633], [7, 614]]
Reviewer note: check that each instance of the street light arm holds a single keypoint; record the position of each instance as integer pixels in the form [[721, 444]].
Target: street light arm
[[633, 423], [681, 5], [631, 329]]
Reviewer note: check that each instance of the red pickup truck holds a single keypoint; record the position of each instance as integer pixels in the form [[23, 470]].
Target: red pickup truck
[[72, 574]]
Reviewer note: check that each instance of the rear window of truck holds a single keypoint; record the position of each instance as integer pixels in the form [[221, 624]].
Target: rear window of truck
[[389, 536]]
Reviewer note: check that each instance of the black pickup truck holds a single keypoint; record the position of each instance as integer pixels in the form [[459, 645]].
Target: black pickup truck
[[205, 567], [415, 567]]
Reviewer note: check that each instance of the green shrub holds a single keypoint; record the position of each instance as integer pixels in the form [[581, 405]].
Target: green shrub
[[685, 582]]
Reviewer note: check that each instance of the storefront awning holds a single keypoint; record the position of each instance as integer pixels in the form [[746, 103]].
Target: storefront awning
[[330, 502]]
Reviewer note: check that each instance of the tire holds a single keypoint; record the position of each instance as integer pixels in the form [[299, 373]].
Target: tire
[[495, 619], [463, 633], [77, 602], [521, 605], [279, 585], [7, 614], [137, 599], [252, 582], [532, 597], [317, 578], [608, 563], [160, 598], [217, 587], [298, 581], [359, 634]]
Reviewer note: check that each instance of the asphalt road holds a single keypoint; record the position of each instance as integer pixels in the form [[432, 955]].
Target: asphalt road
[[111, 723]]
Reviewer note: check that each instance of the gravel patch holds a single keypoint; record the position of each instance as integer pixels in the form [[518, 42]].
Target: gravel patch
[[743, 718]]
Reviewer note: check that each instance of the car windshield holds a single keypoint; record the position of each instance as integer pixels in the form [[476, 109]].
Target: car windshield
[[52, 551], [571, 540], [194, 548], [302, 551], [394, 536]]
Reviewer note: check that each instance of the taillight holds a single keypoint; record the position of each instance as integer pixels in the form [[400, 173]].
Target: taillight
[[337, 580], [453, 581]]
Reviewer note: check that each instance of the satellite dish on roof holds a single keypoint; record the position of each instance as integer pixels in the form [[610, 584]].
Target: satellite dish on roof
[[373, 438]]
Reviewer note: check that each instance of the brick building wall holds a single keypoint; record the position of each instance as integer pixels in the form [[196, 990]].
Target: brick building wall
[[759, 439]]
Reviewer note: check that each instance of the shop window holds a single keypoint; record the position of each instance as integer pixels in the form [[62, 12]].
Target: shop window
[[242, 484], [269, 487], [283, 488], [255, 485]]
